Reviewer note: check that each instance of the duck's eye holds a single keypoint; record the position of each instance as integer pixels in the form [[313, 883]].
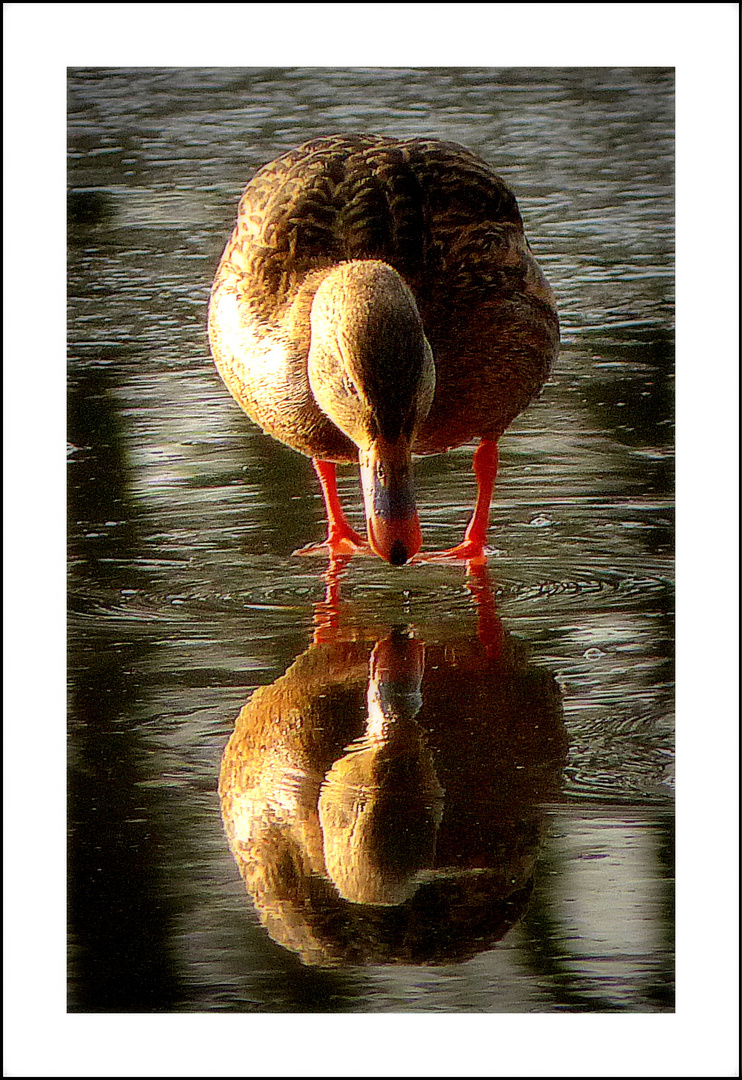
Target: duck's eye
[[349, 386]]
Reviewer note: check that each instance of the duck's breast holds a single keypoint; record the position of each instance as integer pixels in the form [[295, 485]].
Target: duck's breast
[[265, 371]]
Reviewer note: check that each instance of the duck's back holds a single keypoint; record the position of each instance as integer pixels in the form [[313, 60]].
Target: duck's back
[[451, 227]]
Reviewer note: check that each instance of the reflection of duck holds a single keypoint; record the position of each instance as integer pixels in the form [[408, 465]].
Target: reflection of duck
[[378, 297], [332, 789]]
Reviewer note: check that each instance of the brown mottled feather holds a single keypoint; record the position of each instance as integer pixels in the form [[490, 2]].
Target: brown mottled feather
[[448, 225]]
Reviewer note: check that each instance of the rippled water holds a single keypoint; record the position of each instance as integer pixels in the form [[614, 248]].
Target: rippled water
[[551, 864]]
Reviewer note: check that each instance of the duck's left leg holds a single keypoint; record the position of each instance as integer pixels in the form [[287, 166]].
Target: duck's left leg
[[475, 538], [341, 539]]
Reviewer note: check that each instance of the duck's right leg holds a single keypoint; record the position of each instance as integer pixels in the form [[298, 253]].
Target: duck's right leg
[[474, 545], [341, 539]]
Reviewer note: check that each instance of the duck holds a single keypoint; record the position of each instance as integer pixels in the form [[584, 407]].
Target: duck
[[368, 826], [378, 299]]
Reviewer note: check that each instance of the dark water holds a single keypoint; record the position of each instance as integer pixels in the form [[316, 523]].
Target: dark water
[[516, 848]]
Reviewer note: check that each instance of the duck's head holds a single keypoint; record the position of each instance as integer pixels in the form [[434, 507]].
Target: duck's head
[[371, 372]]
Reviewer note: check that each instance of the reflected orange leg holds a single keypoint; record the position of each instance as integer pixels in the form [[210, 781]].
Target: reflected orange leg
[[327, 612], [489, 628], [472, 547], [341, 539]]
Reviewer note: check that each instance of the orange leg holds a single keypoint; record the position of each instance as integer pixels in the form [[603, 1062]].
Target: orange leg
[[341, 539], [475, 537]]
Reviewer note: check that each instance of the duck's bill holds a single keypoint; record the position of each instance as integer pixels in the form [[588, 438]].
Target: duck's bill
[[389, 499]]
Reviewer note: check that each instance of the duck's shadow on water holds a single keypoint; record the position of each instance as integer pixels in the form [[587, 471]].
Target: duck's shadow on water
[[382, 797]]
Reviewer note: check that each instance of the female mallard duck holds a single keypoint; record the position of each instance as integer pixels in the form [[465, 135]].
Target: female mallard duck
[[378, 298]]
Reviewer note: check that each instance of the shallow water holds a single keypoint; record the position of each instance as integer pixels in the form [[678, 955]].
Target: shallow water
[[541, 859]]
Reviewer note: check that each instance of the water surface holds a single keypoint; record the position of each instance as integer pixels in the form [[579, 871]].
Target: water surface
[[550, 873]]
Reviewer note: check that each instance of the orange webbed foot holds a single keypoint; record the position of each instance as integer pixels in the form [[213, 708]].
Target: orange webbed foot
[[337, 546], [470, 551]]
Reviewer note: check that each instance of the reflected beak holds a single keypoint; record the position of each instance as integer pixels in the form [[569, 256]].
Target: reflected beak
[[396, 673], [391, 516]]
